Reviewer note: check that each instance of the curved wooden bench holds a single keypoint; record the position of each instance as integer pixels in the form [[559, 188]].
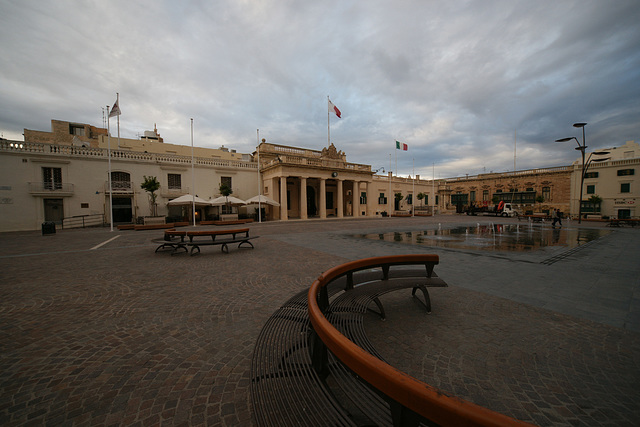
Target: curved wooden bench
[[410, 401], [295, 381]]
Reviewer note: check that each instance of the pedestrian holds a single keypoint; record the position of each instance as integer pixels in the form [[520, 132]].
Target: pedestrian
[[559, 216], [554, 217]]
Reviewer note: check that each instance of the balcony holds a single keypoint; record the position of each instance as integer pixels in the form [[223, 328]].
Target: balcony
[[57, 189], [119, 187]]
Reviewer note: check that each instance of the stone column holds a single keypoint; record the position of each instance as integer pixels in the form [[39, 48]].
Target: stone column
[[323, 198], [356, 199], [340, 196], [303, 198], [284, 215]]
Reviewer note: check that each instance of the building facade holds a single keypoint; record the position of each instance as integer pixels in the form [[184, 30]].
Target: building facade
[[63, 175], [611, 185]]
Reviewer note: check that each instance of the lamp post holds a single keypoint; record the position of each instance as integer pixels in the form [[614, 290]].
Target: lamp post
[[585, 165]]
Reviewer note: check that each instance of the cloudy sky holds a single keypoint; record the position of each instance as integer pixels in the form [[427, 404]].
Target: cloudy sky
[[465, 84]]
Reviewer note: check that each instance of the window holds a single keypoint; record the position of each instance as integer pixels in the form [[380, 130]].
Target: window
[[625, 172], [409, 199], [591, 189], [382, 200], [226, 180], [84, 205], [363, 198], [120, 181], [76, 130], [625, 187], [530, 189], [591, 175], [472, 196], [52, 178], [498, 191], [174, 181], [485, 195], [546, 193]]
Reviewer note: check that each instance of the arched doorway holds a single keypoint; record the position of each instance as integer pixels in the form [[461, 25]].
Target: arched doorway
[[312, 209]]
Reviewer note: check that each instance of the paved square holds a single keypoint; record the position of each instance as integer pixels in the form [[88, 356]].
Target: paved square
[[113, 333]]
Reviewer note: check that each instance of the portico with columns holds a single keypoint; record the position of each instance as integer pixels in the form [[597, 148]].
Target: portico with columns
[[314, 184]]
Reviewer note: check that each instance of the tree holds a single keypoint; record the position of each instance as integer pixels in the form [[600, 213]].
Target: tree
[[420, 197], [225, 190], [595, 199], [151, 185]]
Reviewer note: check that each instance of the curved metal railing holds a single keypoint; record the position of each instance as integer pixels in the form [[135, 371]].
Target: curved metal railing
[[417, 396]]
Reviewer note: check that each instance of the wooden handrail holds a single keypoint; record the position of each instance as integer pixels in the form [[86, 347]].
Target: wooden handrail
[[420, 397]]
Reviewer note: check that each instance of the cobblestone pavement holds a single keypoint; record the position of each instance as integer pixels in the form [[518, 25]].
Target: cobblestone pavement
[[97, 329]]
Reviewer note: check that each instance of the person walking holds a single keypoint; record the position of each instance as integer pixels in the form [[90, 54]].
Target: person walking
[[559, 216], [554, 217]]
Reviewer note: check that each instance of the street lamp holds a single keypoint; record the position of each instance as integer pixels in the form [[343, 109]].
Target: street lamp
[[585, 165]]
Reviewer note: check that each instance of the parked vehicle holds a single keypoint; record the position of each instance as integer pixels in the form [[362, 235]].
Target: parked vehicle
[[501, 209]]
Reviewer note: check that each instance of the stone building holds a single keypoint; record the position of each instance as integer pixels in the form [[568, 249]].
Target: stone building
[[534, 190], [63, 175]]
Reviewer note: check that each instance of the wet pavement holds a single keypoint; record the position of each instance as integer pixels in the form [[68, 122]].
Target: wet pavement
[[97, 329]]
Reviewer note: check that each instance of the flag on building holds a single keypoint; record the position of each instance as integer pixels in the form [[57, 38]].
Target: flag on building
[[401, 146], [334, 109], [115, 110]]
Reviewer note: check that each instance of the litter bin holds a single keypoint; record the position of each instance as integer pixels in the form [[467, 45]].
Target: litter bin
[[48, 227]]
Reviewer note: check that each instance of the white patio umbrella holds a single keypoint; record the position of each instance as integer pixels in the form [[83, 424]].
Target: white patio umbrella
[[227, 200], [261, 199], [187, 200]]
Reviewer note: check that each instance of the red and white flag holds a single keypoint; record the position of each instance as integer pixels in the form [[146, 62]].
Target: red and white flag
[[115, 110], [333, 109]]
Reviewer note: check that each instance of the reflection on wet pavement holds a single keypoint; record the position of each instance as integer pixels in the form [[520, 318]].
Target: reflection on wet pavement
[[494, 237]]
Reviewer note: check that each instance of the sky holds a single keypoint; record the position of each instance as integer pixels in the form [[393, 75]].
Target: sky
[[471, 87]]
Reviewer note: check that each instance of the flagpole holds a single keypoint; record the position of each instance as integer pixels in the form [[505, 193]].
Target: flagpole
[[433, 189], [259, 185], [390, 195], [109, 156], [328, 128], [396, 150], [413, 194], [193, 178], [118, 101]]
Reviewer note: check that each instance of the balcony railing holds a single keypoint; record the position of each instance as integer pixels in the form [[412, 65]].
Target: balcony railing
[[318, 163], [119, 186], [49, 188]]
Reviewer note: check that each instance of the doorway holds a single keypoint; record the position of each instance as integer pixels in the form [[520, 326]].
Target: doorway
[[312, 209], [122, 211], [54, 210]]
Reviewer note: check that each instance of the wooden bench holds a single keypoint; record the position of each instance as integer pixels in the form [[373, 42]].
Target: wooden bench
[[293, 376], [178, 239], [219, 237], [173, 239]]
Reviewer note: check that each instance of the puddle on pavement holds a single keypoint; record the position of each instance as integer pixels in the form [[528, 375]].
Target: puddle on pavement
[[494, 237]]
